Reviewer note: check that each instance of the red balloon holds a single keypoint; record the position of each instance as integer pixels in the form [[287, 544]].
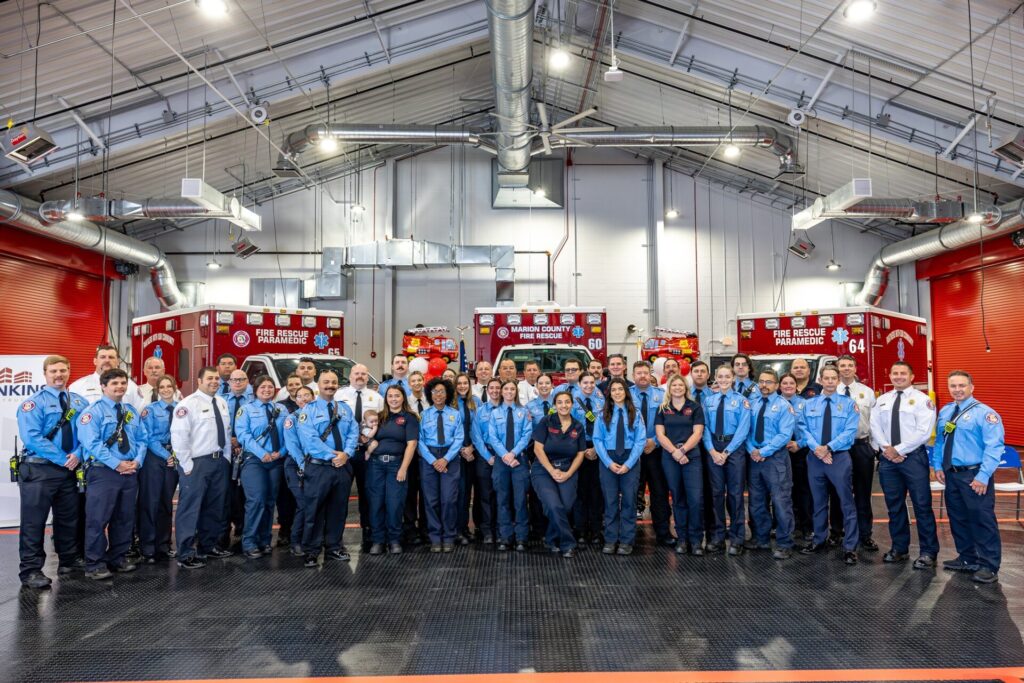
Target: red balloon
[[436, 366], [427, 377], [684, 368]]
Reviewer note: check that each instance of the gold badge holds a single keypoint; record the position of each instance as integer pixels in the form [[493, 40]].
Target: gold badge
[[911, 401]]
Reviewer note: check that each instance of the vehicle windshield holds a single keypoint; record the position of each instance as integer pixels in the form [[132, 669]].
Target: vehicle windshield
[[782, 365], [551, 360], [341, 366]]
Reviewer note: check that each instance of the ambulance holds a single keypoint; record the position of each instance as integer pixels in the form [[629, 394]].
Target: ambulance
[[542, 331], [876, 338], [191, 338]]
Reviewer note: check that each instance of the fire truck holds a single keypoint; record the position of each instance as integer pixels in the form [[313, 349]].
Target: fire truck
[[668, 343], [429, 342], [191, 338], [875, 337], [545, 332]]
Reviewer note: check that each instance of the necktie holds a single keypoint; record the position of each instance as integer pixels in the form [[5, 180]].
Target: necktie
[[359, 405], [234, 412], [759, 425], [547, 407], [895, 438], [67, 436], [643, 408], [335, 432], [122, 440], [947, 447], [620, 432], [826, 427], [222, 439], [440, 428], [588, 425], [510, 430], [700, 397], [720, 418], [467, 423], [423, 404], [170, 416], [275, 438], [225, 387], [846, 390]]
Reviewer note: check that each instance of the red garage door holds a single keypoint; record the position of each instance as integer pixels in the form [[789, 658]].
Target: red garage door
[[956, 300], [53, 299]]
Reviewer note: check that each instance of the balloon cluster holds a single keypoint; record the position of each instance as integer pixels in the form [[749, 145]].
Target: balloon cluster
[[430, 369]]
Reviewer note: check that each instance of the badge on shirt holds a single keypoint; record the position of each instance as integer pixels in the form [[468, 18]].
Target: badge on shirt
[[451, 418], [181, 412], [992, 418], [399, 421], [911, 401], [302, 417], [86, 419], [861, 395], [735, 403], [775, 408], [288, 423], [574, 434], [687, 412], [238, 413], [28, 406]]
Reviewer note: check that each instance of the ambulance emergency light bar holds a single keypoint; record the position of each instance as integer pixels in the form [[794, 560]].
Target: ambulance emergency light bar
[[198, 191], [669, 332], [438, 329]]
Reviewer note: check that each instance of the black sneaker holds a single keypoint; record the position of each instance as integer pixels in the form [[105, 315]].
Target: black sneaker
[[266, 550], [296, 551], [893, 557], [850, 557], [570, 553], [310, 561], [984, 575], [782, 553], [924, 562], [959, 565], [608, 549], [37, 580], [666, 542], [340, 554], [625, 549], [253, 554], [99, 574], [219, 553], [283, 541], [395, 549], [149, 559], [77, 566], [520, 547], [191, 563], [447, 547], [126, 567], [377, 549], [869, 545]]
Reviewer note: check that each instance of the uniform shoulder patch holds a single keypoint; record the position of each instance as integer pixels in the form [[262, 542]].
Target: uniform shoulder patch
[[288, 423], [86, 419], [931, 406], [181, 412], [746, 404], [145, 413], [28, 406], [856, 408], [992, 418]]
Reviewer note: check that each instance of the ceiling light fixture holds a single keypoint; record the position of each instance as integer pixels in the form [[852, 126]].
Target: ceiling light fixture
[[75, 216], [731, 151], [832, 265], [857, 11], [975, 218], [358, 208], [328, 145], [613, 74], [214, 9], [213, 264], [559, 59], [540, 192], [672, 213]]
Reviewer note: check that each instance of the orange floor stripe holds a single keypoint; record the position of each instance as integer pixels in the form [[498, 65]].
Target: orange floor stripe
[[1008, 674]]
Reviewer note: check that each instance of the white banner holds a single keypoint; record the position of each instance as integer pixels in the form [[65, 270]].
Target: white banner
[[20, 378]]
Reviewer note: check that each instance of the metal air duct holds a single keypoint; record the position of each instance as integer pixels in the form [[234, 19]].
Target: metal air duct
[[952, 236], [22, 213], [511, 29]]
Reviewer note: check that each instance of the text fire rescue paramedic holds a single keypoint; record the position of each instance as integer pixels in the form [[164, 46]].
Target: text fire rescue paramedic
[[89, 388], [48, 427], [199, 439], [114, 446]]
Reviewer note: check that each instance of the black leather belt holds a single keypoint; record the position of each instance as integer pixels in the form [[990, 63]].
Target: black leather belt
[[963, 468], [318, 461], [36, 460], [386, 457], [214, 455]]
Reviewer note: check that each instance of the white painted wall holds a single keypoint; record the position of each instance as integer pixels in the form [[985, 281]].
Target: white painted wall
[[724, 254]]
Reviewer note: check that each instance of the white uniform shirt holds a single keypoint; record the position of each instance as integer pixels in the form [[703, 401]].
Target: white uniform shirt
[[149, 394], [91, 390], [194, 428], [282, 394], [527, 392], [371, 399], [864, 397], [478, 391], [917, 420], [418, 407]]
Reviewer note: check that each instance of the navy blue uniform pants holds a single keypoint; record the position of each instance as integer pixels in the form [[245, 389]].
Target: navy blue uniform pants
[[360, 465], [558, 500], [110, 499], [771, 481], [440, 492], [727, 483], [840, 474], [326, 489], [803, 504], [386, 497], [467, 504], [897, 480], [234, 509], [862, 459], [294, 485], [197, 523], [510, 486], [260, 481], [415, 516], [485, 492], [157, 482], [686, 484], [619, 491], [44, 488], [657, 487], [589, 506], [972, 520]]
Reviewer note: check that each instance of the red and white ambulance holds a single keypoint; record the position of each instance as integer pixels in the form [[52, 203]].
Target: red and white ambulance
[[545, 332], [876, 338], [191, 338]]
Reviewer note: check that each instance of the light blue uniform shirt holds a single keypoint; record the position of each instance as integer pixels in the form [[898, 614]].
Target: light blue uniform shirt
[[979, 438], [313, 420], [605, 435], [251, 427], [40, 414], [157, 419], [522, 429], [845, 418], [655, 395], [97, 425], [779, 423], [799, 404], [429, 439], [737, 419], [480, 433]]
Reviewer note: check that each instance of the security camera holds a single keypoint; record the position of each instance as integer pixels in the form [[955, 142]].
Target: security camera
[[797, 117], [259, 113]]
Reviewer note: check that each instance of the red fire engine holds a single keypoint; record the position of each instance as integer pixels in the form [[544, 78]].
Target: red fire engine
[[190, 338], [671, 344], [545, 332], [875, 337], [429, 342]]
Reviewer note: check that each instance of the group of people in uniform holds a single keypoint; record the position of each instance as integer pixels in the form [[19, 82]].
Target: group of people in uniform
[[519, 459]]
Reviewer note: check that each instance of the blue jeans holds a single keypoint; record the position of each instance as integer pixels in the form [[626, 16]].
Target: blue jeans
[[619, 492], [260, 481], [772, 479], [387, 498], [557, 500], [840, 473], [686, 484], [510, 486], [897, 480], [440, 492]]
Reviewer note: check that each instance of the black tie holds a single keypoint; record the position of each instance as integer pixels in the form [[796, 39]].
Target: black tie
[[947, 447], [620, 432], [510, 431], [234, 412], [547, 408], [423, 404], [589, 426], [826, 427], [170, 416], [440, 428], [467, 422], [275, 438], [335, 432], [67, 436], [122, 439], [222, 439], [225, 386], [643, 408], [720, 418], [846, 390], [895, 438], [359, 405], [759, 425], [700, 397]]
